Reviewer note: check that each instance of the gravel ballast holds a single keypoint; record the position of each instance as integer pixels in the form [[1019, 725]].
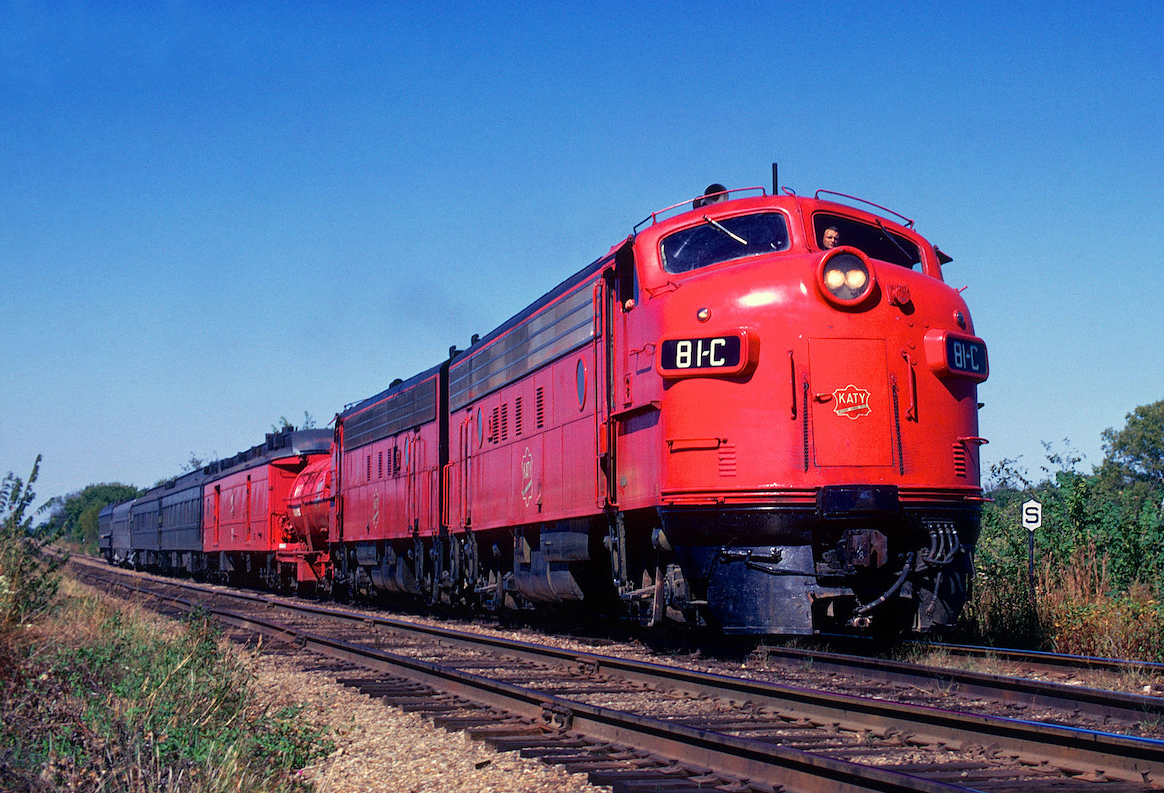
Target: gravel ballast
[[382, 748]]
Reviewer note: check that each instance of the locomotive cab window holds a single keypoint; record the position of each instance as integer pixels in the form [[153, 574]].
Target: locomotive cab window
[[719, 240], [874, 240], [626, 279]]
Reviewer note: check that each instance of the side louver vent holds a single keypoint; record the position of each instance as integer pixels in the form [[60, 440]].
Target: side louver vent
[[727, 459], [959, 459]]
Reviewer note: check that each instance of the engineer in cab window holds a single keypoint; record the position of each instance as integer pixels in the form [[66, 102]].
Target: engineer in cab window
[[712, 195], [831, 239]]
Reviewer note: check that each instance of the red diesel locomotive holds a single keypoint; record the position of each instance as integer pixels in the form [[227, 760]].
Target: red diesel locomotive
[[758, 412]]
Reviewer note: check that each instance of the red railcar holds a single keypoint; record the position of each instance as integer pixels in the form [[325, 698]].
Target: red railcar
[[812, 417], [525, 408], [389, 454], [757, 412], [722, 421], [309, 506], [246, 530]]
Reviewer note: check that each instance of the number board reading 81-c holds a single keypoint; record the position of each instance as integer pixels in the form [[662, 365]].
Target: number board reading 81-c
[[716, 352], [966, 355]]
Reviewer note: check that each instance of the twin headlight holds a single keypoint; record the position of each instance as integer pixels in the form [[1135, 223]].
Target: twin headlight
[[846, 278]]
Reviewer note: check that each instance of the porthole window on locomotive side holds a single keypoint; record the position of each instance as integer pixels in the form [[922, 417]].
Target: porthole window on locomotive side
[[580, 378], [719, 240]]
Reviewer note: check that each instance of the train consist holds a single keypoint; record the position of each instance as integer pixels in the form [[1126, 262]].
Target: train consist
[[758, 412]]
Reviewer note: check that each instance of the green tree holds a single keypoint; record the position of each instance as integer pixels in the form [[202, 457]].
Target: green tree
[[1099, 555], [285, 424], [194, 463], [75, 516], [1137, 451]]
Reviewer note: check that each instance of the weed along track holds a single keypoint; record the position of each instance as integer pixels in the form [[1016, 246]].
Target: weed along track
[[1047, 662], [640, 725]]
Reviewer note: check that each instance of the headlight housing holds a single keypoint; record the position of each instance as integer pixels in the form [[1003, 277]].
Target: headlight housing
[[846, 277]]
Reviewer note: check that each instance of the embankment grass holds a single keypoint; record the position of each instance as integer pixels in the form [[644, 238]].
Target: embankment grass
[[96, 697], [1074, 608]]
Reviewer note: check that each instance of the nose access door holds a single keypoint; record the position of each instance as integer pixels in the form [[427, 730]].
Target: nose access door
[[852, 411]]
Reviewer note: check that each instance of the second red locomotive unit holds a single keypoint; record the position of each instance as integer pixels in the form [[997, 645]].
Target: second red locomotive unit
[[758, 412]]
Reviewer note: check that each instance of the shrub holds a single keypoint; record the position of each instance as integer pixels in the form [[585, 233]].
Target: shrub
[[1086, 615], [106, 700], [1099, 564], [28, 580]]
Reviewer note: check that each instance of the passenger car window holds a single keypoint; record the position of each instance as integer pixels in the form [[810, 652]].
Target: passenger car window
[[723, 239], [875, 241]]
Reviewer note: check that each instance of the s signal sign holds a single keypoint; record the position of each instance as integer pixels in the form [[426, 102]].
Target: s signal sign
[[1032, 515]]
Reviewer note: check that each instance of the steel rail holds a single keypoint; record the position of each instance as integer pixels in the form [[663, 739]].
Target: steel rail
[[1070, 749], [1047, 661], [1104, 706], [1073, 749], [754, 761]]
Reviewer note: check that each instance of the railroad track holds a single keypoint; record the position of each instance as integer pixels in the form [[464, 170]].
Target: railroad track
[[638, 725], [1014, 695], [1054, 663], [1099, 708]]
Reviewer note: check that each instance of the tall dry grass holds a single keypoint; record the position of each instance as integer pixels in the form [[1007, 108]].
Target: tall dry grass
[[1082, 613], [1074, 608], [1001, 613], [99, 698]]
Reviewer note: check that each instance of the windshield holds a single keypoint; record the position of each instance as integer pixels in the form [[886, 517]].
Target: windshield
[[723, 239], [875, 240]]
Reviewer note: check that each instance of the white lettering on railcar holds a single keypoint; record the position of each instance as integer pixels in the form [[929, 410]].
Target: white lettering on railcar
[[851, 402], [700, 353], [966, 356]]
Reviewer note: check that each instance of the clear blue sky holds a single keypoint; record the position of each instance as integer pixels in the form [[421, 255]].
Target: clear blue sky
[[216, 214]]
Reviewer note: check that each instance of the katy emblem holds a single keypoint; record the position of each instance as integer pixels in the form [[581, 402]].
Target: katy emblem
[[526, 477], [851, 402]]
